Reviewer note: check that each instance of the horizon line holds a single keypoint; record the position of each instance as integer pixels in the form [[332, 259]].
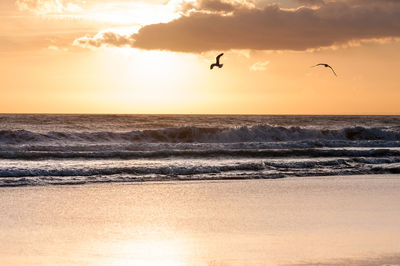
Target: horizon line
[[216, 114]]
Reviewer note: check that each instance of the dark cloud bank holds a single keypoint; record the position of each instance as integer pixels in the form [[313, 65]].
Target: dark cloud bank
[[215, 25]]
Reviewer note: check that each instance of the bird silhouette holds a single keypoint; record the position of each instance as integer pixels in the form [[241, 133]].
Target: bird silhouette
[[217, 64], [326, 65]]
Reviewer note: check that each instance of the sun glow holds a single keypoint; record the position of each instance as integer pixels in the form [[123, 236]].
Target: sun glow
[[147, 80], [63, 51], [133, 13], [119, 13]]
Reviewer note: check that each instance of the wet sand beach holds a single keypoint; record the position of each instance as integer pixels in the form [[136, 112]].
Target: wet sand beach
[[291, 221]]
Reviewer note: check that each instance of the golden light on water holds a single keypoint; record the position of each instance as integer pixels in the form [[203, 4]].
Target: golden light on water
[[150, 252], [253, 222]]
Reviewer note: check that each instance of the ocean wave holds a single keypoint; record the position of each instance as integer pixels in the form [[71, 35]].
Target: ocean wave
[[176, 169], [258, 153], [258, 133], [266, 169], [139, 171], [154, 147]]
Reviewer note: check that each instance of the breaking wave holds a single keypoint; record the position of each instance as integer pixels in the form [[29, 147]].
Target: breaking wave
[[258, 133], [263, 153], [110, 151], [21, 176]]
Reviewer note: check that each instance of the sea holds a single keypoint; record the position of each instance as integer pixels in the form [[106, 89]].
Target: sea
[[47, 149]]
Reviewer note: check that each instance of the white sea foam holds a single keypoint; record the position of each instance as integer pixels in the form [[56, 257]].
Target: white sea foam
[[42, 149]]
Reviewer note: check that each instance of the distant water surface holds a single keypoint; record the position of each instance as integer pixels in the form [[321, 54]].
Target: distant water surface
[[79, 149]]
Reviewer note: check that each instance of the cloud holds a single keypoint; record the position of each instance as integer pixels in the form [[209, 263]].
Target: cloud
[[49, 6], [311, 2], [53, 48], [213, 6], [216, 5], [259, 66], [104, 39], [269, 28], [56, 48]]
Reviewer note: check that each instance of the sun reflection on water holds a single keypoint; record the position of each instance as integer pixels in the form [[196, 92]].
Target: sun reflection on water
[[151, 252]]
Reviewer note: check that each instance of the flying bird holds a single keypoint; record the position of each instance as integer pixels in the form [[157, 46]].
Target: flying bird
[[326, 65], [217, 64]]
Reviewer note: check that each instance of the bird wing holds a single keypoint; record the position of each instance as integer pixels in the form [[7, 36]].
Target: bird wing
[[211, 66], [319, 65], [218, 57], [332, 70]]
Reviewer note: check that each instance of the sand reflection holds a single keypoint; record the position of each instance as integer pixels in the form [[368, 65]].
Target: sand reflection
[[149, 252], [295, 221]]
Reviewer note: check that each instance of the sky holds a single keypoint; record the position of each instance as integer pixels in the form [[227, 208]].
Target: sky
[[153, 56]]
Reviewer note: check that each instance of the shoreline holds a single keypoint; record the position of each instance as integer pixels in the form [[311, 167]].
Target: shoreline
[[189, 180]]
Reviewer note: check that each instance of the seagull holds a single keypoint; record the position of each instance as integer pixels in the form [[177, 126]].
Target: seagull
[[217, 63], [326, 65]]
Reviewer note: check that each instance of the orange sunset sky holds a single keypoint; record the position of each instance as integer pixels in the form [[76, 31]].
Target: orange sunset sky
[[153, 56]]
